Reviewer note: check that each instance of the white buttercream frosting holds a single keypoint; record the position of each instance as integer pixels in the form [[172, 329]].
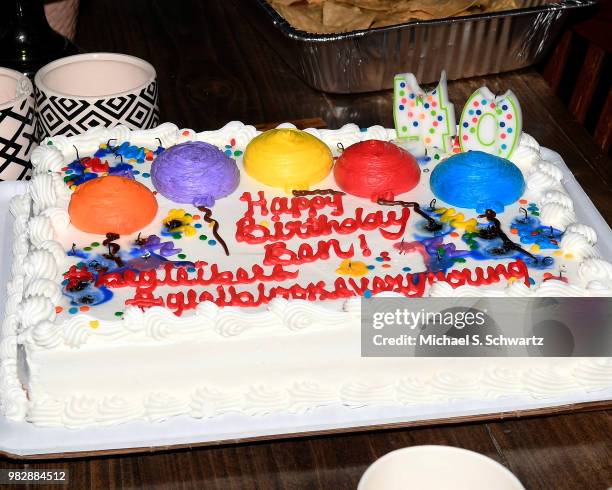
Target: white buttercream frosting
[[454, 386], [40, 230], [413, 390], [55, 249], [47, 159], [239, 132], [578, 246], [594, 374], [304, 395], [207, 402], [556, 215], [36, 309], [47, 334], [586, 231], [44, 287], [498, 382], [159, 406], [116, 409], [59, 218], [40, 264], [360, 393], [594, 269], [39, 260], [529, 141], [261, 400], [541, 181], [525, 158], [546, 383], [557, 197]]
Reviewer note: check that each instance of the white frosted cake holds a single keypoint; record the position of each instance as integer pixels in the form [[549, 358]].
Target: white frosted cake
[[246, 295]]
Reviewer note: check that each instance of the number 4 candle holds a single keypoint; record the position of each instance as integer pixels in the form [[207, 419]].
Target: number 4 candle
[[423, 117], [491, 124]]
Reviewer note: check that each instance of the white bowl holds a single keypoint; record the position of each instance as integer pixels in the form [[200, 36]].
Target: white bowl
[[437, 468]]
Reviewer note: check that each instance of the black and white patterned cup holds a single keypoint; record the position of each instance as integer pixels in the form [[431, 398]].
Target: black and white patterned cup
[[80, 92], [16, 125]]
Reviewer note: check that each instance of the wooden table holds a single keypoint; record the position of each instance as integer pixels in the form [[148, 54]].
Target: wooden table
[[213, 68]]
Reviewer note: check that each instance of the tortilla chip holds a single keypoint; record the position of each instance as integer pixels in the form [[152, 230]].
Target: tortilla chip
[[304, 17], [375, 5], [440, 9], [346, 18], [283, 2], [497, 5]]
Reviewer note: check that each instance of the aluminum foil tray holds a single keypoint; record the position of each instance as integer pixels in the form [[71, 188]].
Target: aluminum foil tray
[[367, 60]]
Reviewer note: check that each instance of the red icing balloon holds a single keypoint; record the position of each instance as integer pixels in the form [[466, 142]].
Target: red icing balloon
[[376, 169]]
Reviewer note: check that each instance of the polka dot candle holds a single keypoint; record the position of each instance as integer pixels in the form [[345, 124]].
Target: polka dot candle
[[491, 124], [425, 117]]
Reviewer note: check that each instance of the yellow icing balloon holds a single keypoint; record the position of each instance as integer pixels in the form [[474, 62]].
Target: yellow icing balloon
[[287, 158]]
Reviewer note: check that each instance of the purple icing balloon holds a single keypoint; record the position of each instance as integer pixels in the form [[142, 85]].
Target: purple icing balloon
[[194, 173]]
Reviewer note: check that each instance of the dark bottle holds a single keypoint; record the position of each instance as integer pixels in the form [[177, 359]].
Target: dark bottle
[[27, 41]]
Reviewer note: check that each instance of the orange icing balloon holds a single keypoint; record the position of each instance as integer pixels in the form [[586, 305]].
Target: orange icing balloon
[[112, 204]]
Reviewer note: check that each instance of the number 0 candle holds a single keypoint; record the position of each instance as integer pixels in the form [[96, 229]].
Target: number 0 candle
[[491, 124]]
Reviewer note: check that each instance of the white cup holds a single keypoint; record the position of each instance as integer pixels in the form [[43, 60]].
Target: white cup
[[437, 468], [80, 92], [16, 125]]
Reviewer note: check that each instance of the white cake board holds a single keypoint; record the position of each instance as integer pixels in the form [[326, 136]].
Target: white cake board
[[23, 440]]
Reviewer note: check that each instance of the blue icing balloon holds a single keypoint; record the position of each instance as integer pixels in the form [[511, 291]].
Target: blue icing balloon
[[477, 180]]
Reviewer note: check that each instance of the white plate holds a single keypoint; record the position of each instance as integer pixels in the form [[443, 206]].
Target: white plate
[[24, 439]]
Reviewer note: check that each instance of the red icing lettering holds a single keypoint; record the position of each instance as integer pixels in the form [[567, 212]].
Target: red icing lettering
[[144, 299], [261, 203], [365, 250], [247, 230], [278, 253], [177, 302]]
